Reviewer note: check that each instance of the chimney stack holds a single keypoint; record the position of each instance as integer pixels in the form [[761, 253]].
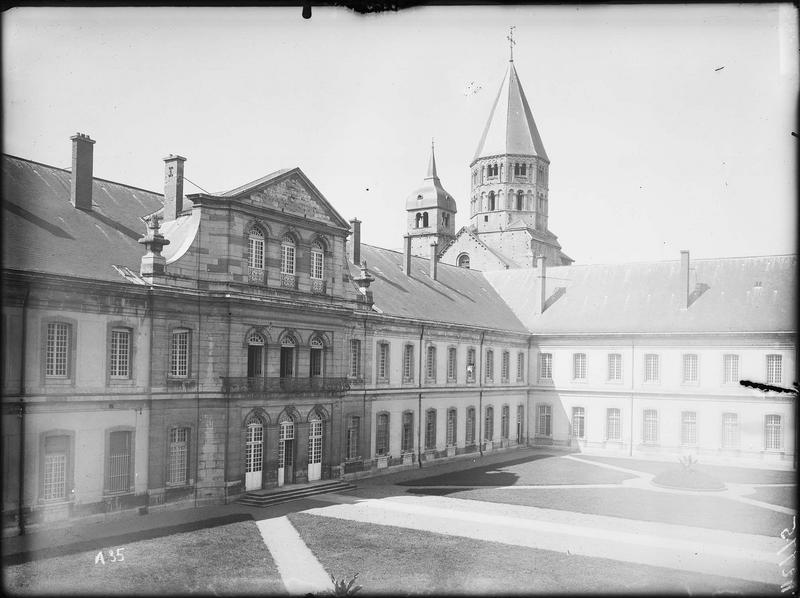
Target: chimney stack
[[407, 256], [684, 279], [355, 242], [433, 259], [541, 287], [82, 167], [173, 186]]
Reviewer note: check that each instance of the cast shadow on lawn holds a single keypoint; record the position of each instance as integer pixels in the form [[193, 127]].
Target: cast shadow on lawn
[[479, 476], [147, 534]]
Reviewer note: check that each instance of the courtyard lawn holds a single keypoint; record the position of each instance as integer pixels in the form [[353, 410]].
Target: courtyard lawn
[[785, 496], [539, 470], [229, 559], [701, 510], [398, 561], [733, 475]]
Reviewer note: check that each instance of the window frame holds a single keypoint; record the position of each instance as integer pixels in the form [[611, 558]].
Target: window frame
[[451, 429], [489, 373], [171, 371], [520, 366], [471, 366], [407, 432], [430, 429], [71, 348], [353, 438], [770, 372], [689, 428], [355, 359], [488, 423], [580, 367], [408, 363], [614, 372], [773, 426], [452, 364], [505, 367], [652, 375], [505, 422], [317, 261], [186, 443], [69, 466], [382, 371], [382, 433], [646, 439], [544, 410], [728, 360], [688, 368], [107, 491], [288, 255], [545, 363], [430, 364], [470, 436], [578, 420], [730, 441], [613, 423]]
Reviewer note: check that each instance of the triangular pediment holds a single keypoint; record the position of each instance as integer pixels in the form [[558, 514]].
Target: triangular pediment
[[289, 191]]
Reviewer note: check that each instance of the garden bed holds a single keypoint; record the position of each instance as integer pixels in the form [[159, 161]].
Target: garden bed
[[688, 479]]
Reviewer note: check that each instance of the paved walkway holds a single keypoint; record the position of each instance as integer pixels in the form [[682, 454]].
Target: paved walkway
[[299, 568], [728, 554]]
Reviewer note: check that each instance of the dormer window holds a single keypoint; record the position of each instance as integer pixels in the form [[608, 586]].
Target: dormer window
[[463, 261]]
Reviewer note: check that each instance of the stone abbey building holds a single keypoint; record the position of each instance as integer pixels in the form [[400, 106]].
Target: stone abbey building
[[164, 350]]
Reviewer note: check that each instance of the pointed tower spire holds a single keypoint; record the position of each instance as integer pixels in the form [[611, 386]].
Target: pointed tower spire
[[431, 165]]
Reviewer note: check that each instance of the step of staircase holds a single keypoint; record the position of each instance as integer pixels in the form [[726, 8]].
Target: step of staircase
[[253, 499]]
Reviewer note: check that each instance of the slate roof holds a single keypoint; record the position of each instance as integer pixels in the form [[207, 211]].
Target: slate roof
[[253, 184], [510, 128], [458, 296], [645, 297], [43, 232]]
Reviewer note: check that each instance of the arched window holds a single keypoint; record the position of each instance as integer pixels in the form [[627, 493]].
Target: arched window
[[417, 219], [255, 355], [488, 428], [491, 205], [315, 362], [520, 200], [256, 245], [425, 220], [287, 255], [463, 261], [317, 261]]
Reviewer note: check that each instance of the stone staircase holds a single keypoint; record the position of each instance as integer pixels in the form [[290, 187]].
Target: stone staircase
[[274, 496]]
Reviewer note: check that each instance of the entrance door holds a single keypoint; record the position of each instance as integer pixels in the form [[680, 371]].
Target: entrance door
[[286, 453], [254, 456], [315, 450]]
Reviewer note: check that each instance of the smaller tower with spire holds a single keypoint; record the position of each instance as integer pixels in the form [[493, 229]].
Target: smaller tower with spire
[[431, 213]]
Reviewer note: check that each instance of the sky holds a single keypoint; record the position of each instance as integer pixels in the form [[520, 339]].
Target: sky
[[667, 127]]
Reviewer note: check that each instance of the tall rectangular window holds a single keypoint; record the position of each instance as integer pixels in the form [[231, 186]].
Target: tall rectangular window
[[407, 436], [651, 373], [772, 432], [179, 354], [452, 420], [774, 373], [505, 366], [287, 256], [430, 429], [488, 427], [57, 352], [614, 367], [579, 366], [578, 422], [545, 366], [520, 423], [690, 368], [730, 369], [355, 358], [382, 435], [383, 361], [730, 430], [452, 364], [120, 366], [56, 458], [504, 422], [650, 426], [613, 424], [178, 466], [353, 427], [520, 367], [119, 462], [469, 437], [256, 249], [408, 363], [430, 364], [317, 262], [688, 427], [489, 365], [543, 420], [470, 365]]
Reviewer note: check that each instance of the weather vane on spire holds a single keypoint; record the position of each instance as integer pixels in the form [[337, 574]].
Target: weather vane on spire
[[511, 42]]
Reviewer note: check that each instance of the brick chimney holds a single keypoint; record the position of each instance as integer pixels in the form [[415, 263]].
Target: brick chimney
[[433, 260], [541, 287], [684, 280], [355, 241], [407, 255], [82, 167], [173, 186]]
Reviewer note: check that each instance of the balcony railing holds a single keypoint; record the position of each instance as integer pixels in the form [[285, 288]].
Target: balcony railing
[[275, 384]]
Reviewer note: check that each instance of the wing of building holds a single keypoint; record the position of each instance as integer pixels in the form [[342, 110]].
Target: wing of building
[[163, 350]]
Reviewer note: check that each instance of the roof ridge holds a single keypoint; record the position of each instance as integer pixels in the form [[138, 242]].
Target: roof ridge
[[94, 178]]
